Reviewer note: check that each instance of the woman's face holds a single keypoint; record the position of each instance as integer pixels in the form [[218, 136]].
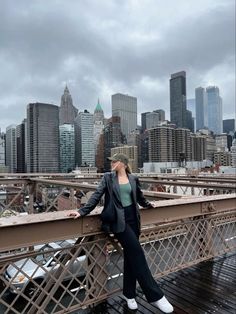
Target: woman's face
[[117, 165]]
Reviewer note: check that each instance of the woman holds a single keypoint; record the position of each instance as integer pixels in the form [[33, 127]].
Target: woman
[[124, 191]]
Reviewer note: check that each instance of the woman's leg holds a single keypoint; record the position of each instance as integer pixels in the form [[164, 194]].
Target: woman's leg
[[137, 264], [129, 280]]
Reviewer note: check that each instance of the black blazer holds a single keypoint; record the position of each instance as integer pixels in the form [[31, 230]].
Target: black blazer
[[110, 182]]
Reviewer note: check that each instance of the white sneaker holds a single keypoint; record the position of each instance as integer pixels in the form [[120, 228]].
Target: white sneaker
[[131, 303], [164, 305]]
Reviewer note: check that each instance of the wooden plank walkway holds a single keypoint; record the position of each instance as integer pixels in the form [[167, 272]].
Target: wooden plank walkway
[[209, 287]]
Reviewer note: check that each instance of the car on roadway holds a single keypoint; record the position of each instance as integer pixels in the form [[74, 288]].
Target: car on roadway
[[26, 274]]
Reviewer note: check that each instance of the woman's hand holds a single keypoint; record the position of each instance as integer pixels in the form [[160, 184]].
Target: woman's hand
[[74, 214]]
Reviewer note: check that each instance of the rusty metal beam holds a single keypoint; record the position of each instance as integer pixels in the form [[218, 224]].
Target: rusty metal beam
[[191, 184], [152, 181], [190, 179], [92, 187], [23, 231], [12, 181]]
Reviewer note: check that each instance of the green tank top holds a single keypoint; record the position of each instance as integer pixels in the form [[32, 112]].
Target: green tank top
[[125, 194]]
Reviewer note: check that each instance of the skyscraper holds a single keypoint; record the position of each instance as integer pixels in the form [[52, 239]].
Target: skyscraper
[[144, 120], [98, 136], [20, 144], [229, 126], [152, 120], [98, 118], [189, 120], [161, 114], [11, 153], [113, 137], [162, 144], [233, 153], [2, 150], [135, 139], [84, 139], [214, 102], [197, 147], [125, 107], [42, 138], [201, 108], [182, 144], [67, 147], [178, 99], [67, 112]]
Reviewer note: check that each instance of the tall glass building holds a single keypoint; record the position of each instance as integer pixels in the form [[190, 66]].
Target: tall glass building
[[201, 108], [67, 147], [215, 115], [2, 150], [178, 104], [42, 138], [125, 107], [84, 139], [11, 153]]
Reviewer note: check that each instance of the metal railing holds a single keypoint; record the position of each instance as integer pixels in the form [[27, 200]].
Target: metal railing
[[19, 193], [50, 263]]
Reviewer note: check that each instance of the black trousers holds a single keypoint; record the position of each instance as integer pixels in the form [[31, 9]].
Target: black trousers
[[135, 264]]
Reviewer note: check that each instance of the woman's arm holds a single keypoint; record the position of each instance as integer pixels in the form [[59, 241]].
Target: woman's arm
[[140, 197], [92, 202]]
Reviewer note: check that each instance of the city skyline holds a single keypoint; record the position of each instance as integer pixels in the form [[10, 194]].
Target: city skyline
[[103, 48]]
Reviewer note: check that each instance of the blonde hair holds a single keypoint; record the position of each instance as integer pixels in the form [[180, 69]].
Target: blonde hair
[[128, 169]]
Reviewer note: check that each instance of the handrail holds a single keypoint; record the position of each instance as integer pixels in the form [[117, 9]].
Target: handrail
[[32, 229]]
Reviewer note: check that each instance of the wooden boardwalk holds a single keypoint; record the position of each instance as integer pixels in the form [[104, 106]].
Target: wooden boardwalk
[[209, 287]]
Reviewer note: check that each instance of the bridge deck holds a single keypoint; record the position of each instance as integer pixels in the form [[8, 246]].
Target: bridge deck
[[209, 287]]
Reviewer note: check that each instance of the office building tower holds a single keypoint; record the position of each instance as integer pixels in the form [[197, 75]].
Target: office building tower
[[161, 114], [197, 147], [131, 152], [178, 99], [125, 107], [223, 159], [229, 126], [144, 121], [221, 142], [201, 108], [113, 137], [214, 103], [210, 143], [84, 139], [100, 153], [98, 113], [42, 138], [144, 147], [21, 144], [11, 152], [182, 145], [152, 120], [210, 147], [98, 118], [233, 153], [67, 147], [67, 112], [162, 144], [189, 121], [2, 150], [135, 139]]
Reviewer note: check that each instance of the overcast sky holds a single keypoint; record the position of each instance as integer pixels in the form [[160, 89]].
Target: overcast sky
[[101, 47]]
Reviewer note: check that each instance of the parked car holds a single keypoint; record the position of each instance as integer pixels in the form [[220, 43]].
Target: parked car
[[23, 274]]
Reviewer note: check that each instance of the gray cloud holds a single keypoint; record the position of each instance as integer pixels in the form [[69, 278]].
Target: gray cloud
[[101, 47]]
